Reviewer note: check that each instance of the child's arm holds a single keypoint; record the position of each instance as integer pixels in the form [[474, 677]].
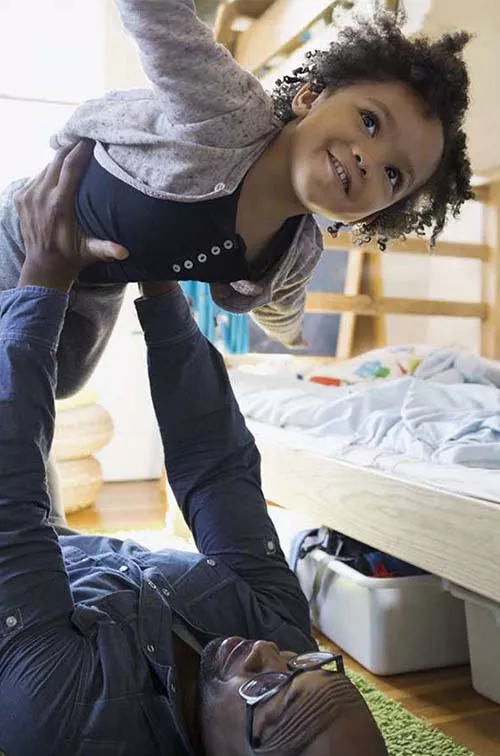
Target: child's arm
[[195, 78], [282, 318]]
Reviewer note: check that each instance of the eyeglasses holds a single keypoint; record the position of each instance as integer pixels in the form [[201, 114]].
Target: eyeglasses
[[264, 686]]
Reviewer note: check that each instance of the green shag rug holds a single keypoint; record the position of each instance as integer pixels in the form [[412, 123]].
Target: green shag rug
[[405, 734]]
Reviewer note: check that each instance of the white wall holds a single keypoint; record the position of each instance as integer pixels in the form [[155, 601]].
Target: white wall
[[481, 18]]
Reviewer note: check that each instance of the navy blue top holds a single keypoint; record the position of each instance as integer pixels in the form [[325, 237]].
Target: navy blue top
[[182, 241], [87, 666]]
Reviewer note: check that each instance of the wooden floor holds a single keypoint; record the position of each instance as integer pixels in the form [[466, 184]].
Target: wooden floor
[[444, 698]]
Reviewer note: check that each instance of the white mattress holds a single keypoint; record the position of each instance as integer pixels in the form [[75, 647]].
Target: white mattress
[[476, 482], [440, 429]]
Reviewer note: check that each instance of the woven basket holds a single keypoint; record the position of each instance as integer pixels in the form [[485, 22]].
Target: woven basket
[[80, 481], [81, 431]]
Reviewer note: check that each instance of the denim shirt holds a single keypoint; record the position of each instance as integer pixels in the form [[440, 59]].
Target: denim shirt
[[193, 137], [86, 622]]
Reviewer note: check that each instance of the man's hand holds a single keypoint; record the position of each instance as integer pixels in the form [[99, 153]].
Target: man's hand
[[56, 249]]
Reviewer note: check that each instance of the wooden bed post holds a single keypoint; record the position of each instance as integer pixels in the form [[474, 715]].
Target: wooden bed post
[[490, 326], [360, 333]]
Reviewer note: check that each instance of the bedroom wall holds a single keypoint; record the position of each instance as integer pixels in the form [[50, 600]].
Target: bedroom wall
[[437, 278], [481, 18]]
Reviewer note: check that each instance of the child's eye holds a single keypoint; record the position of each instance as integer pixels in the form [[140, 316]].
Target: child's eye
[[371, 122], [394, 175]]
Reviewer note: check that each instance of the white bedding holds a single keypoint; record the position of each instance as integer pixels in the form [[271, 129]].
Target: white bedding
[[440, 426]]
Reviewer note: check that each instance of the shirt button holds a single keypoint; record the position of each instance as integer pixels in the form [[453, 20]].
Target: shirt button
[[215, 251], [270, 545], [152, 585], [211, 562], [150, 648], [11, 622], [228, 244], [176, 268], [220, 187], [166, 592], [202, 258], [124, 568], [188, 264]]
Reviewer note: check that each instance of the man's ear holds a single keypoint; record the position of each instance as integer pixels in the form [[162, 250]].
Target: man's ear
[[304, 100]]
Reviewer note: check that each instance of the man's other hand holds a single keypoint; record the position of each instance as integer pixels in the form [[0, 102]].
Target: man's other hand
[[56, 249]]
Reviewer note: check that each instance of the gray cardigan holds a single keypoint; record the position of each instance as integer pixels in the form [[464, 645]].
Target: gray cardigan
[[193, 136]]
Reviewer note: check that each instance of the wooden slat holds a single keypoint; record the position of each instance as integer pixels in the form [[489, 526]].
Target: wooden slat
[[228, 13], [278, 29], [414, 246], [481, 192], [490, 328], [352, 286], [363, 304]]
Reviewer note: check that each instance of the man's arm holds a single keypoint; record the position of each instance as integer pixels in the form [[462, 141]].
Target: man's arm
[[32, 575], [195, 78], [33, 580], [212, 462]]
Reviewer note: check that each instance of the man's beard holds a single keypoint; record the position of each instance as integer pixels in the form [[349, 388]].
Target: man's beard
[[209, 666]]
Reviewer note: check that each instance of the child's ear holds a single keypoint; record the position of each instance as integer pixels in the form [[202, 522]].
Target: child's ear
[[304, 100]]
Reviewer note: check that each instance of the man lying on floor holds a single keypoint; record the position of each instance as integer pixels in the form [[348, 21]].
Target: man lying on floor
[[105, 647]]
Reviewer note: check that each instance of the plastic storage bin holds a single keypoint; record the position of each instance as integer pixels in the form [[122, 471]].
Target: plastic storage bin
[[483, 628], [389, 625]]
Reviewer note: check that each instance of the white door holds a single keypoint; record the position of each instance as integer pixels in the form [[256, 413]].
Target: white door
[[122, 387]]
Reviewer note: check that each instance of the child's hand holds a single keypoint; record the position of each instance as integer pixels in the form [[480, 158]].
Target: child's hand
[[56, 250]]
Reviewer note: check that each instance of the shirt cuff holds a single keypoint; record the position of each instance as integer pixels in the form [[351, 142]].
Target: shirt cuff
[[166, 317], [33, 313]]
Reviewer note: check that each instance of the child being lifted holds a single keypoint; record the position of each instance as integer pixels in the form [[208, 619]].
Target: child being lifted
[[207, 177]]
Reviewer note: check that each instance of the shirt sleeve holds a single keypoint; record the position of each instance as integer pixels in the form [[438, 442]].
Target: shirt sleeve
[[212, 462], [34, 584], [282, 318], [195, 78]]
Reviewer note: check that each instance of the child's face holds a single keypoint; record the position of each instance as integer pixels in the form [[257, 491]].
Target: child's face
[[358, 150]]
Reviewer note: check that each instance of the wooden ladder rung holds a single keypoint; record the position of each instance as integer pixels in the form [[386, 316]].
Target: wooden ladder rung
[[414, 247], [364, 304]]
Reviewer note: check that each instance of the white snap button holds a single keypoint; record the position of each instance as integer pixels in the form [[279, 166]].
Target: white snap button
[[176, 268], [166, 592], [188, 264], [270, 545], [11, 622], [150, 648], [220, 187], [202, 258], [124, 568], [151, 584], [211, 562], [228, 244], [215, 251]]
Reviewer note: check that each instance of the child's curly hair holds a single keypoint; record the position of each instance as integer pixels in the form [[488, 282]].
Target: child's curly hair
[[377, 50]]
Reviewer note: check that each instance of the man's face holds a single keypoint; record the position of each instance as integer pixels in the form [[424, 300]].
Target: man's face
[[347, 728], [358, 150]]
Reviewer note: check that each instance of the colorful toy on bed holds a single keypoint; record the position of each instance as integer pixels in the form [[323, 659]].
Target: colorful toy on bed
[[388, 363]]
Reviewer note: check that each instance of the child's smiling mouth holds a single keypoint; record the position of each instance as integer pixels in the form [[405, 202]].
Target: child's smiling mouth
[[340, 171]]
